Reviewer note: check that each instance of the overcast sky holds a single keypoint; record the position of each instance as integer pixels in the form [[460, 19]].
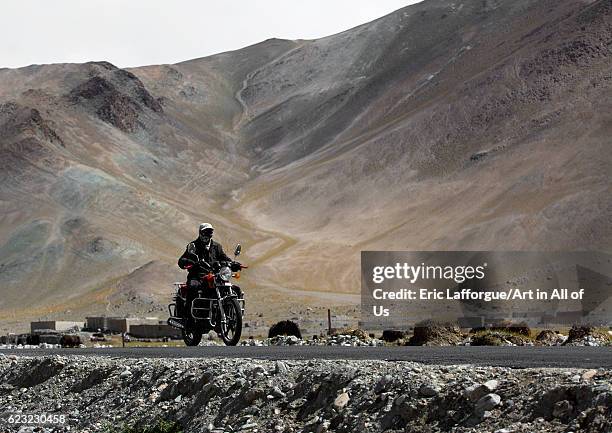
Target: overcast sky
[[143, 32]]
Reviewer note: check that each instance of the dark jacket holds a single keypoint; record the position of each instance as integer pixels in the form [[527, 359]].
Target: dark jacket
[[196, 251]]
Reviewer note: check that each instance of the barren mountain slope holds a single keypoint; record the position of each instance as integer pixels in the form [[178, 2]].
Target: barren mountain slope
[[487, 126], [445, 125]]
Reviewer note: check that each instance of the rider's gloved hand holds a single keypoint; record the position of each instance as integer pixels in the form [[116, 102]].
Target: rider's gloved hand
[[235, 266]]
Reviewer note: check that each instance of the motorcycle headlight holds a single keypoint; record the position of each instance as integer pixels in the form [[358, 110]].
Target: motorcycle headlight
[[225, 273]]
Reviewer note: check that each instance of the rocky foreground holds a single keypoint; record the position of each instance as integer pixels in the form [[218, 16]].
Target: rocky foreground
[[237, 395]]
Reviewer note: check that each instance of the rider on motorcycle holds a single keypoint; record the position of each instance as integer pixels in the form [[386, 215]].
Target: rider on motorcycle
[[198, 258], [203, 249]]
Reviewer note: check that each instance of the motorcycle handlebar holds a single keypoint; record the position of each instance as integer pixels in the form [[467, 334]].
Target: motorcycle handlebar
[[205, 265]]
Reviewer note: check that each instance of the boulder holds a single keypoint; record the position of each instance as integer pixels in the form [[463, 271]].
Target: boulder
[[487, 403]]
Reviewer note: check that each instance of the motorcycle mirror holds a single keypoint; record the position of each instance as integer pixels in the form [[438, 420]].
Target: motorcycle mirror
[[238, 250]]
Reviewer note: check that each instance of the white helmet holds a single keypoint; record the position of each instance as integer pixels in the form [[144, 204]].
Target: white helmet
[[206, 232], [205, 226]]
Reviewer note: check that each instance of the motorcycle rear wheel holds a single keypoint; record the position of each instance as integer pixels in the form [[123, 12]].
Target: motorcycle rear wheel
[[191, 337], [232, 329]]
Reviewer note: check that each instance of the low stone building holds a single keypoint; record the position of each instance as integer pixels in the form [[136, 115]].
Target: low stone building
[[118, 325], [55, 325], [159, 330], [122, 324], [94, 323]]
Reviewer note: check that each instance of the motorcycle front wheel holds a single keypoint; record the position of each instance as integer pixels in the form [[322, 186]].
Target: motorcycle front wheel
[[232, 329], [191, 337]]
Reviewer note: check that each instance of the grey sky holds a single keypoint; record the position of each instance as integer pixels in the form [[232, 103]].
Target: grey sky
[[142, 32]]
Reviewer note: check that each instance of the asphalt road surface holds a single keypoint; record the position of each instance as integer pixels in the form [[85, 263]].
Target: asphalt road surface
[[519, 357]]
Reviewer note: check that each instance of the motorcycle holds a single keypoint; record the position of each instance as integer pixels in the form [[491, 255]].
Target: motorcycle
[[219, 304]]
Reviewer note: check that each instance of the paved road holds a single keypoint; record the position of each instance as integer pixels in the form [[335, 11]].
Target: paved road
[[580, 357]]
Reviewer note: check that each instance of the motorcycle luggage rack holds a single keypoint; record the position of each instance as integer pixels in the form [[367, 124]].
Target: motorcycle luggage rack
[[172, 310], [174, 320], [177, 287]]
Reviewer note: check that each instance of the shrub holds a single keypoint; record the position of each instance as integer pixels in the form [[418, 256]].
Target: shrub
[[69, 340], [521, 329], [392, 335], [285, 327], [487, 339], [431, 333]]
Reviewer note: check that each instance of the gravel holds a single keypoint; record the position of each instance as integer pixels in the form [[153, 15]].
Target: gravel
[[335, 340], [228, 395]]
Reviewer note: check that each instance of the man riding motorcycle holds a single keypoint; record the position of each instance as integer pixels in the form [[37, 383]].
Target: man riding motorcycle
[[198, 258]]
